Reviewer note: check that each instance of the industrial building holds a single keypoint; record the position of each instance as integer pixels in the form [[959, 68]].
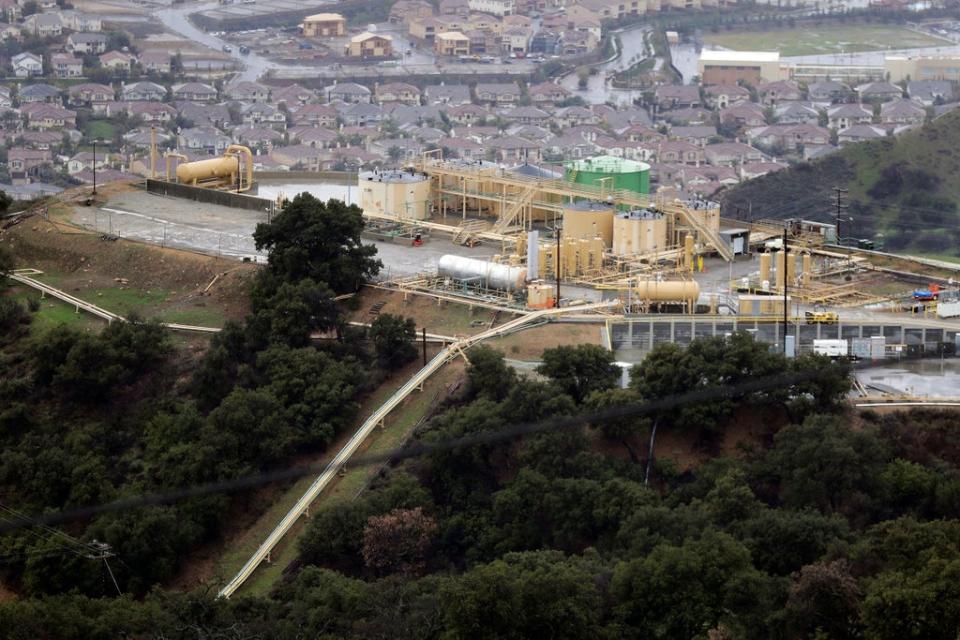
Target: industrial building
[[735, 67]]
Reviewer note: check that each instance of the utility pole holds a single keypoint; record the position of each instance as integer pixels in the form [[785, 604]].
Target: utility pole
[[102, 551], [94, 167], [840, 208], [786, 282], [424, 336]]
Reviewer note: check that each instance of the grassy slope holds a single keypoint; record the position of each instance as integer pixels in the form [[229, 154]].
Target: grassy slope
[[807, 190]]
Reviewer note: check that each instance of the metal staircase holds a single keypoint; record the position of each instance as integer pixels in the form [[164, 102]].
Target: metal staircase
[[467, 232], [508, 216], [706, 234]]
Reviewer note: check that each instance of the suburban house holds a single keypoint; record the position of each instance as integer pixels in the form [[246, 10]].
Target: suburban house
[[397, 92], [143, 91], [27, 65], [25, 163], [155, 61], [117, 61], [499, 93], [369, 45], [87, 43], [846, 115], [249, 92], [348, 92], [66, 65], [194, 92], [324, 25]]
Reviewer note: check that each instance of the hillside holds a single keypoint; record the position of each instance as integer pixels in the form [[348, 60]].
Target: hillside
[[905, 188]]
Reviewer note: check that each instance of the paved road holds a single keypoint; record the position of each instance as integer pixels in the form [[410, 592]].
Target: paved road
[[176, 19]]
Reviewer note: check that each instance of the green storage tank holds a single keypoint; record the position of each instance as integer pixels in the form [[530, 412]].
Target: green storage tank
[[629, 175]]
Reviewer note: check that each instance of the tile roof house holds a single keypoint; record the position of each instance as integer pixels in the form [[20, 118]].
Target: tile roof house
[[150, 111], [204, 139], [699, 135], [547, 94], [260, 113], [66, 65], [249, 92], [293, 95], [721, 96], [731, 153], [846, 115], [452, 94], [91, 94], [41, 115], [514, 149], [900, 112], [117, 61], [39, 92], [140, 91], [796, 113], [313, 136], [321, 115], [155, 61], [748, 114], [194, 92], [779, 91], [397, 92], [25, 163], [27, 65], [860, 133], [828, 91], [525, 115], [789, 136], [499, 93], [929, 92], [87, 43], [679, 152], [878, 91], [467, 114], [348, 92], [673, 96]]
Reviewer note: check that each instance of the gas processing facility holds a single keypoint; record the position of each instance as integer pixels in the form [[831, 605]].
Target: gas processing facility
[[656, 268], [596, 233]]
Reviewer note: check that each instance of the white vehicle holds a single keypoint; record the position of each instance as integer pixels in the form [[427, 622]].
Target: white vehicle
[[831, 348]]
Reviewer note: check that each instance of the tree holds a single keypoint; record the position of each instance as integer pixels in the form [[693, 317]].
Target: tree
[[291, 313], [681, 591], [488, 376], [7, 261], [523, 595], [824, 598], [921, 602], [580, 370], [398, 541], [393, 340], [824, 464], [320, 241]]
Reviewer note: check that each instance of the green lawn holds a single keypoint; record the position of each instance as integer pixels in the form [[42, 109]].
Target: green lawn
[[53, 312], [825, 39], [100, 130]]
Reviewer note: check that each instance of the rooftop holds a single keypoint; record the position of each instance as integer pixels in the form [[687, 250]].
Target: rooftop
[[739, 56]]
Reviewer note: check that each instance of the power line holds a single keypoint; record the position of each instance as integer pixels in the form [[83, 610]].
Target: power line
[[424, 448]]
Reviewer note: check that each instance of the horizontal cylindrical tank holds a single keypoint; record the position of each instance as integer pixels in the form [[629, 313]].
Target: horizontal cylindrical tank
[[588, 219], [667, 290], [191, 172], [486, 274], [639, 231], [404, 194]]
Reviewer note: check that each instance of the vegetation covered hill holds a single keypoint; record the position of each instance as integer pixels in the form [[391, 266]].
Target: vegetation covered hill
[[903, 190]]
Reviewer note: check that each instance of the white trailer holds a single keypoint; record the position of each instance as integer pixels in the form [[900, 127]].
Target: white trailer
[[831, 348]]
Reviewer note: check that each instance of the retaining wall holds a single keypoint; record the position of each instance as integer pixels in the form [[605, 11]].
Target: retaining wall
[[211, 196]]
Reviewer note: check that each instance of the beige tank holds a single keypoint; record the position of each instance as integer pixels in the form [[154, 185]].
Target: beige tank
[[688, 252], [688, 290], [764, 267], [193, 172], [792, 267], [584, 220], [807, 268], [638, 234], [781, 271]]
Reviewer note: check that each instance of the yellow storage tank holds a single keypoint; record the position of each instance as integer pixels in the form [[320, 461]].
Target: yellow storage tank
[[667, 290], [401, 194], [639, 231], [587, 219]]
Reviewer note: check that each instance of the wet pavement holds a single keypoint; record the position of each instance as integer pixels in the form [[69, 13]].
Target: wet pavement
[[934, 377]]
